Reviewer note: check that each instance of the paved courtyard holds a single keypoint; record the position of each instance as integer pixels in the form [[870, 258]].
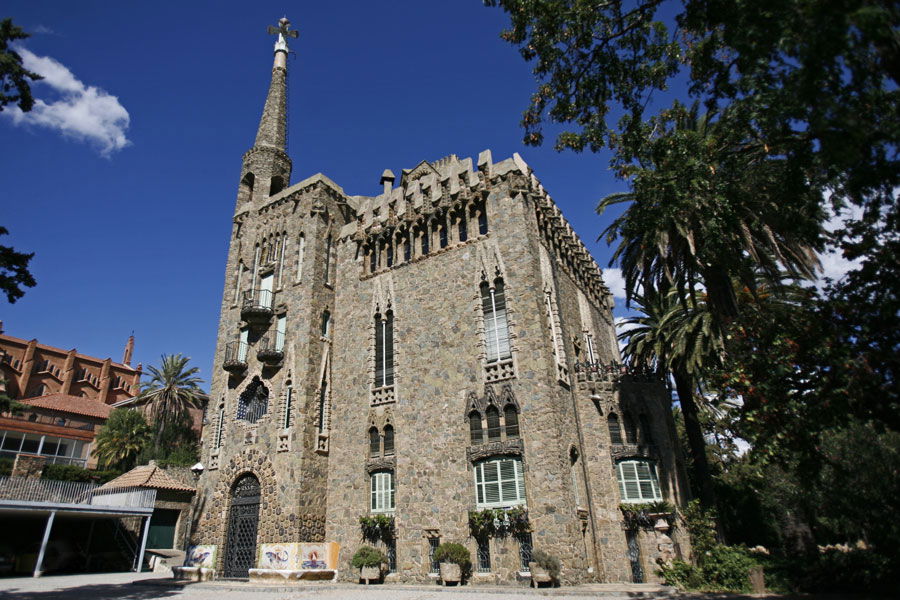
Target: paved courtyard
[[121, 586]]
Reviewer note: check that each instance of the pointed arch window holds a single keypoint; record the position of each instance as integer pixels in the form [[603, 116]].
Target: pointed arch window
[[388, 440], [496, 325], [384, 350], [615, 432], [425, 244], [476, 432], [494, 431], [511, 421], [463, 229], [482, 222], [220, 426], [374, 443], [288, 404]]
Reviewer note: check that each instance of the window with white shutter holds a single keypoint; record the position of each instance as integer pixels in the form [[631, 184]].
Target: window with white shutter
[[499, 482], [382, 491], [638, 481], [496, 326], [384, 350]]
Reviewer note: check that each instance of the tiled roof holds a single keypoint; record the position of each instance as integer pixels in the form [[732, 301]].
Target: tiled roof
[[147, 476], [71, 404]]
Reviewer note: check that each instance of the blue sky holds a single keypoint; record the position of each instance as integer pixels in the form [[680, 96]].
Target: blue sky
[[124, 184]]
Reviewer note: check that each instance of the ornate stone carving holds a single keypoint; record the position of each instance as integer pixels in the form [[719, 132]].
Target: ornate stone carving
[[510, 447]]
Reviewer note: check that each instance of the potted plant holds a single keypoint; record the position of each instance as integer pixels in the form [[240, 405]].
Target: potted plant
[[544, 568], [369, 561], [454, 561]]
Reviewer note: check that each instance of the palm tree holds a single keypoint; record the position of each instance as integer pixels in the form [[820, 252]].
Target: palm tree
[[122, 439], [679, 339], [171, 391], [711, 205]]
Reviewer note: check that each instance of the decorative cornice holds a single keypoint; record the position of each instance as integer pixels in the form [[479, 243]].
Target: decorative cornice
[[387, 463], [506, 447]]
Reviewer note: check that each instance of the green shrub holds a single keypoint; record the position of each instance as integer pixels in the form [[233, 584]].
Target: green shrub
[[367, 556], [449, 552], [76, 473], [682, 575], [546, 561], [721, 568]]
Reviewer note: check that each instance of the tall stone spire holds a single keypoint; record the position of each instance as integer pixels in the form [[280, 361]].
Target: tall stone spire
[[267, 167], [272, 130]]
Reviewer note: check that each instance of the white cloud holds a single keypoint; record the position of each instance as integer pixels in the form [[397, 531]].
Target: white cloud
[[82, 112], [615, 282], [43, 29]]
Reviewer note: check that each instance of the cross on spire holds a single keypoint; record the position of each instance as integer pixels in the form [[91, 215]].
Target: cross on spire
[[282, 31]]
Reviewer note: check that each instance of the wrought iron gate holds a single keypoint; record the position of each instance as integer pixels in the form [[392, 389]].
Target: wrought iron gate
[[634, 556], [243, 521]]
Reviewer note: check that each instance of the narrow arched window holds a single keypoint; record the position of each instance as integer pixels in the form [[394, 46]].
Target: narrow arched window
[[388, 440], [646, 431], [496, 326], [511, 419], [407, 250], [482, 222], [475, 431], [631, 432], [389, 255], [384, 350], [493, 423], [463, 231], [373, 258], [328, 258], [615, 432], [326, 324], [374, 443], [442, 235], [425, 244], [301, 250], [276, 184]]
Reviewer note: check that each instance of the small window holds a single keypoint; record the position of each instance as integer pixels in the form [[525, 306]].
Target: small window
[[384, 350], [425, 248], [382, 491], [493, 424], [615, 432], [482, 222], [374, 443], [389, 252], [638, 481], [475, 430], [484, 554], [511, 418], [499, 482], [328, 251], [326, 324], [526, 548], [288, 405], [407, 251], [434, 567], [373, 260], [442, 236], [463, 231], [388, 440]]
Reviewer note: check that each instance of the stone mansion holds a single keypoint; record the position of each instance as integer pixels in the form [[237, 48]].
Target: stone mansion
[[437, 350]]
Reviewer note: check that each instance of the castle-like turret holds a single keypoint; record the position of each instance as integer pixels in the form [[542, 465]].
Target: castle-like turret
[[266, 166]]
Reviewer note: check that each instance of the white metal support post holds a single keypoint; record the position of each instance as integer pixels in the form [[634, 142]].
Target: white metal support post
[[38, 566], [140, 561]]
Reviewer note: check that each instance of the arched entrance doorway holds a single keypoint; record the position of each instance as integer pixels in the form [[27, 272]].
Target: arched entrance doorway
[[243, 522]]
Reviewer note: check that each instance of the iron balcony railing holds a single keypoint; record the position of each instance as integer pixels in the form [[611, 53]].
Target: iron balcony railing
[[26, 489], [235, 356], [613, 370], [258, 300], [271, 348]]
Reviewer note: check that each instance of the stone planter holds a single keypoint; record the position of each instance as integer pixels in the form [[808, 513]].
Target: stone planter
[[539, 575], [451, 573], [370, 574]]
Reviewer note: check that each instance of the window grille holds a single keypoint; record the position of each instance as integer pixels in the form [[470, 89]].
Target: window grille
[[511, 417], [392, 555], [615, 432], [434, 568], [253, 402], [288, 406], [638, 481], [382, 491], [493, 424], [496, 327], [374, 443], [220, 427], [484, 555], [475, 430], [525, 550], [499, 482], [384, 350]]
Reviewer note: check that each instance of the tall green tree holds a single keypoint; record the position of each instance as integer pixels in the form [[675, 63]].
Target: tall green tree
[[122, 439], [173, 389], [14, 273], [14, 86]]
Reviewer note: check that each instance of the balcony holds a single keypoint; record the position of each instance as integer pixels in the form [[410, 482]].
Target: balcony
[[257, 306], [235, 357], [271, 349], [613, 372]]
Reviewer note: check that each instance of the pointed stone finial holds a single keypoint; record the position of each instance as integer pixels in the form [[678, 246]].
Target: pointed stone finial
[[281, 48], [387, 180]]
